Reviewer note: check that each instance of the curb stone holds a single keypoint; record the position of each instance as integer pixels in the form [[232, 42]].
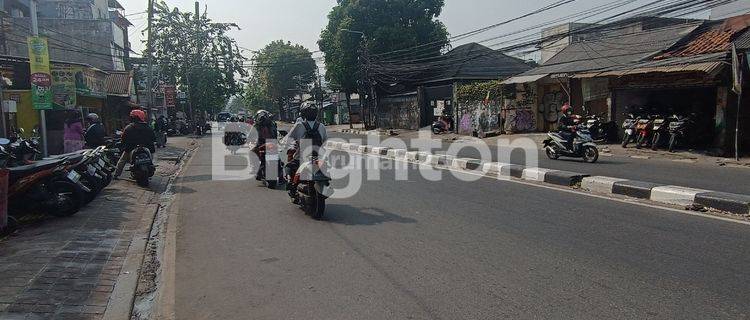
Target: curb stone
[[634, 189], [675, 195], [730, 202], [564, 178]]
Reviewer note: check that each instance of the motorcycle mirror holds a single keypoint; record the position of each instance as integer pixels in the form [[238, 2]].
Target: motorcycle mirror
[[4, 141]]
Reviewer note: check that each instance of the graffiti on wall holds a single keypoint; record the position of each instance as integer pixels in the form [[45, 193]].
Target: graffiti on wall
[[399, 113], [479, 118], [551, 104]]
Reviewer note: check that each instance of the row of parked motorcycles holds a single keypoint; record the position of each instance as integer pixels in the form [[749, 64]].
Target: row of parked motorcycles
[[61, 185], [656, 130]]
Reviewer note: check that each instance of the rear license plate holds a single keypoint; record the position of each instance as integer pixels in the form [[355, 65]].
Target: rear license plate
[[272, 157], [101, 163], [74, 176]]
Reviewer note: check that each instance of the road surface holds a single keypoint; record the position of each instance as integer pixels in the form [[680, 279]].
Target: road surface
[[419, 249]]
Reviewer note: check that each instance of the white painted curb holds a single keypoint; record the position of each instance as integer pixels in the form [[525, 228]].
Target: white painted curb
[[675, 195], [396, 153], [534, 174], [599, 184]]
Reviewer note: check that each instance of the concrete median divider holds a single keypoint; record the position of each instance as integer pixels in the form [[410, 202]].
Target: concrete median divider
[[730, 202], [659, 193], [564, 178], [534, 174], [634, 189]]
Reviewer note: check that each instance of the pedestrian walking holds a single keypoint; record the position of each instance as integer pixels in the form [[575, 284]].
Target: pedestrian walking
[[73, 133]]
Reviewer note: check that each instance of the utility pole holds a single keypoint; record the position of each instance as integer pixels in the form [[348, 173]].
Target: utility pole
[[150, 63], [42, 114], [191, 92]]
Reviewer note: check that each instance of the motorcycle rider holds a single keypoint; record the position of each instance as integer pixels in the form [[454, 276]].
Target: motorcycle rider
[[95, 134], [137, 133], [309, 128], [161, 126], [566, 125], [265, 129]]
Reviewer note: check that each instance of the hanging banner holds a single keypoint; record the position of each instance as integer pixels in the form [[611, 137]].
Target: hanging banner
[[64, 86], [90, 83], [170, 96], [41, 79]]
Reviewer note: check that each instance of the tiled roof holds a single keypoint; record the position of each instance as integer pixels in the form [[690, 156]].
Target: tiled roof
[[117, 83], [712, 37]]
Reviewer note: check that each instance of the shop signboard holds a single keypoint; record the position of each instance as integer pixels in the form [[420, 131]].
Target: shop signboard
[[64, 86], [41, 79]]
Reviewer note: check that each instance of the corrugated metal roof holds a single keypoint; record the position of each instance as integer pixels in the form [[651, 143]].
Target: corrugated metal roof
[[743, 40], [477, 62], [524, 79], [118, 83], [710, 64], [613, 50]]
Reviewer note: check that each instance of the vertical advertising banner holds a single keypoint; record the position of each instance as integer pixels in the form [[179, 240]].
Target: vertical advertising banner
[[64, 86], [170, 96], [41, 79]]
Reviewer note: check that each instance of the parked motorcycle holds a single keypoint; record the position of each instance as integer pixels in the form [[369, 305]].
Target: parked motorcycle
[[660, 130], [643, 129], [142, 165], [601, 130], [43, 186], [309, 186], [629, 126], [679, 128], [583, 146], [439, 127]]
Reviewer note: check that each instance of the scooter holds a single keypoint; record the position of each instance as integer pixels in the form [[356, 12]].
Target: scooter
[[439, 127], [660, 130], [269, 154], [643, 129], [142, 165], [679, 129], [629, 126], [309, 187], [583, 146]]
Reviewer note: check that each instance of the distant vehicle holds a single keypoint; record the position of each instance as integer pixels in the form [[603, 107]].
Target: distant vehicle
[[223, 116]]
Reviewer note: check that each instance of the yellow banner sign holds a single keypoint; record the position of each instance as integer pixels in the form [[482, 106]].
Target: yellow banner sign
[[41, 78]]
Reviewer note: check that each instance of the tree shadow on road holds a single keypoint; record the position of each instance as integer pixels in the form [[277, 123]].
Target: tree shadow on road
[[351, 216]]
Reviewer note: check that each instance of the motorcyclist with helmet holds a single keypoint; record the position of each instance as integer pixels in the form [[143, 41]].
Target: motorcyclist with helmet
[[308, 129], [137, 133], [95, 135], [265, 129], [567, 125]]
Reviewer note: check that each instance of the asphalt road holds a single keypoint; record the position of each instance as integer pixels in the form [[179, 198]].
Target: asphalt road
[[694, 175], [448, 250]]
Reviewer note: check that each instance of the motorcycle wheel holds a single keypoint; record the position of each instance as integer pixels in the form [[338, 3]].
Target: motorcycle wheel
[[141, 177], [655, 142], [625, 141], [317, 207], [640, 141], [672, 142], [69, 198], [271, 184], [590, 154], [551, 153]]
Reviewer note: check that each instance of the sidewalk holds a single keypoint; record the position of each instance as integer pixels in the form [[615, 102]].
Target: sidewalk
[[614, 149], [67, 268]]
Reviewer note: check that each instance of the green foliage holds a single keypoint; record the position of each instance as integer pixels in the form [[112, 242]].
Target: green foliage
[[477, 91], [197, 54], [280, 70], [387, 26]]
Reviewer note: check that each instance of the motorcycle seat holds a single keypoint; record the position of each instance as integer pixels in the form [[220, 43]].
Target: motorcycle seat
[[73, 156], [22, 171]]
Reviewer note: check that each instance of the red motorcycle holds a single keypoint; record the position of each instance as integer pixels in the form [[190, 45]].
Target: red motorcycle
[[643, 130]]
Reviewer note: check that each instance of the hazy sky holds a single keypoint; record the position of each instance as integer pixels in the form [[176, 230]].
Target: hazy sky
[[301, 21]]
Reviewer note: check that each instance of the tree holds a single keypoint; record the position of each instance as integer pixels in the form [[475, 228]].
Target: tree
[[387, 26], [197, 54], [280, 70]]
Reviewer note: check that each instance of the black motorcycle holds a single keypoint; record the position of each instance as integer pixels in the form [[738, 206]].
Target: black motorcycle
[[600, 130], [269, 155], [679, 129], [142, 165]]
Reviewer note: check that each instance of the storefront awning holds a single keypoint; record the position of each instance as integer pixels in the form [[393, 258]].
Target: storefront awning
[[524, 79]]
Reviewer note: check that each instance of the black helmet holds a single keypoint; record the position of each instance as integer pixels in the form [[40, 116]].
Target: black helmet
[[262, 116], [309, 112]]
